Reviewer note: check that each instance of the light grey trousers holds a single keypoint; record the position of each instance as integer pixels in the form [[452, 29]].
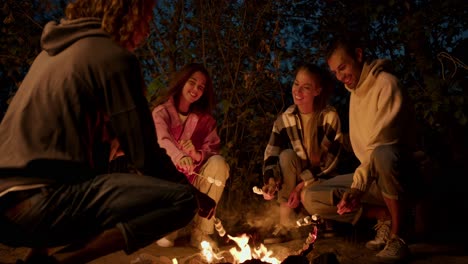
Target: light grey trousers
[[212, 181], [390, 170]]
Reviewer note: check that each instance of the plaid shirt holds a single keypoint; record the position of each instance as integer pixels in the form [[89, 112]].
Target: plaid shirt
[[287, 133]]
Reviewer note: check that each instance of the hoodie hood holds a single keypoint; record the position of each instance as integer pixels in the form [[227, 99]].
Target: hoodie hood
[[369, 73], [57, 37]]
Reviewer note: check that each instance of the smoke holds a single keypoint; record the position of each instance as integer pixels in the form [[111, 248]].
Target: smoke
[[264, 217]]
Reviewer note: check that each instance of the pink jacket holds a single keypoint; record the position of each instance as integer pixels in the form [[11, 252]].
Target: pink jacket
[[200, 128]]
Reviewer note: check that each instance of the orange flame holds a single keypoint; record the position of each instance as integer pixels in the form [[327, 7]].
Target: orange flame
[[240, 254]]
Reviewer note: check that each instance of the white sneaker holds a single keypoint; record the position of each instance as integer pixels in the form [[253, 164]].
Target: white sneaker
[[395, 249], [382, 235], [164, 242], [168, 240]]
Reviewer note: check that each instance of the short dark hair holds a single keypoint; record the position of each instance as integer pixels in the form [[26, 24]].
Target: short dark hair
[[348, 42]]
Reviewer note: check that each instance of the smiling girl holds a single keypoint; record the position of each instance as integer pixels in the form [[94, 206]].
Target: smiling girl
[[187, 130], [304, 146]]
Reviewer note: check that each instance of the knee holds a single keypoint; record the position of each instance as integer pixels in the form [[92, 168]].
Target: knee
[[286, 157], [188, 202], [384, 157], [218, 164], [310, 203], [384, 153]]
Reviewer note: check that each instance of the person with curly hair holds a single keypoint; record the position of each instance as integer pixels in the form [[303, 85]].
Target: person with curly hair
[[82, 99], [187, 130]]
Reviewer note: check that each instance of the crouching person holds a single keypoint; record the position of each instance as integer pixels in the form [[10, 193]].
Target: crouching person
[[303, 149], [83, 94], [187, 130], [380, 120]]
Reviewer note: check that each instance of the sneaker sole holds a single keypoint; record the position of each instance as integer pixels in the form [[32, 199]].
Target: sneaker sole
[[387, 260], [375, 247]]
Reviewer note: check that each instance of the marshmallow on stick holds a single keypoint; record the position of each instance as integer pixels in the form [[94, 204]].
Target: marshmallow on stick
[[257, 190]]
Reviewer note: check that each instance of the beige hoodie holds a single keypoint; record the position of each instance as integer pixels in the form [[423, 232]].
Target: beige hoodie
[[375, 116]]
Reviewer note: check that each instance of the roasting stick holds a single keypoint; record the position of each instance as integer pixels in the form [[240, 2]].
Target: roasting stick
[[219, 184], [217, 222]]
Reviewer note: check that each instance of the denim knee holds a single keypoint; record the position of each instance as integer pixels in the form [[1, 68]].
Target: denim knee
[[141, 230]]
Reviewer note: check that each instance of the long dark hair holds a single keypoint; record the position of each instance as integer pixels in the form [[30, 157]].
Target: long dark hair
[[321, 102], [176, 85]]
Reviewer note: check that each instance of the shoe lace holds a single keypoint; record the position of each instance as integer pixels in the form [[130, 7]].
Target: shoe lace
[[393, 247], [382, 229]]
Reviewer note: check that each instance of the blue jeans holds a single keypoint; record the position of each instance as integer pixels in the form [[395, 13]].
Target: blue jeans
[[143, 208]]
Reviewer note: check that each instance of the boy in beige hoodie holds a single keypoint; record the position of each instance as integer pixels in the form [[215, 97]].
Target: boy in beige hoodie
[[379, 129]]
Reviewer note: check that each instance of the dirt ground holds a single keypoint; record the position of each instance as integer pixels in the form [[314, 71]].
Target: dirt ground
[[345, 249], [444, 242]]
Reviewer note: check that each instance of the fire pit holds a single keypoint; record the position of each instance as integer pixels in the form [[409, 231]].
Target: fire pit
[[244, 253]]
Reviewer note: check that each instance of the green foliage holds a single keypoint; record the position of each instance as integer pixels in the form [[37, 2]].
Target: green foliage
[[21, 24], [252, 47], [425, 45]]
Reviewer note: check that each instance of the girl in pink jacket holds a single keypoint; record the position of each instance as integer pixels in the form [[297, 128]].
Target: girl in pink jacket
[[187, 130]]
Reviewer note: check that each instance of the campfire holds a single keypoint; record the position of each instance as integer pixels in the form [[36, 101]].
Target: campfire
[[245, 253], [240, 254]]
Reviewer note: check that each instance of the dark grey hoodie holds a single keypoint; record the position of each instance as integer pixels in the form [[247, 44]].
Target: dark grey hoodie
[[82, 90]]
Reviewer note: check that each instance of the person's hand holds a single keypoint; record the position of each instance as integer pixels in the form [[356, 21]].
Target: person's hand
[[115, 150], [350, 201], [189, 148], [206, 205], [295, 196], [294, 199], [186, 164], [269, 189]]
